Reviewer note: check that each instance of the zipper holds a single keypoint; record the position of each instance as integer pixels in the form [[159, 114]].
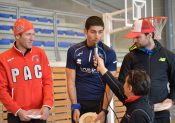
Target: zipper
[[90, 55], [149, 66], [12, 93], [149, 70]]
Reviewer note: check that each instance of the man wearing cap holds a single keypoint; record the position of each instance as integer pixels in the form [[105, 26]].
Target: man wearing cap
[[25, 78], [158, 62]]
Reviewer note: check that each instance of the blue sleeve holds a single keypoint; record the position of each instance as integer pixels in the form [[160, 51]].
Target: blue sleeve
[[70, 59], [111, 62]]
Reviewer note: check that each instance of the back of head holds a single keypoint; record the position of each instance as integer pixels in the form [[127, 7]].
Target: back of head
[[94, 21], [22, 25], [140, 82]]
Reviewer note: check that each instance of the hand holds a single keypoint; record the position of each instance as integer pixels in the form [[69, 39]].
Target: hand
[[22, 114], [44, 113], [76, 115], [101, 117], [165, 105], [99, 63]]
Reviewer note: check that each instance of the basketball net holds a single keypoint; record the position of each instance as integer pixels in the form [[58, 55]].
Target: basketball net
[[158, 23]]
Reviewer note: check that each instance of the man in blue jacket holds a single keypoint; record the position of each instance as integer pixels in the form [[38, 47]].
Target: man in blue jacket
[[158, 62]]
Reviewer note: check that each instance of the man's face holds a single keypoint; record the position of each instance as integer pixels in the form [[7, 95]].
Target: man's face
[[94, 34], [25, 40], [142, 40]]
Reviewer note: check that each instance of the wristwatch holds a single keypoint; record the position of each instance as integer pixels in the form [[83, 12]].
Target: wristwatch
[[105, 111]]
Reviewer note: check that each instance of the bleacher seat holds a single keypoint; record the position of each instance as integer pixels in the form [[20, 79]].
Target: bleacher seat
[[49, 44], [60, 32], [64, 44], [37, 30], [50, 20], [37, 43], [3, 15], [43, 20], [80, 34], [47, 31], [5, 27], [69, 32], [22, 16], [5, 41], [14, 16], [29, 18]]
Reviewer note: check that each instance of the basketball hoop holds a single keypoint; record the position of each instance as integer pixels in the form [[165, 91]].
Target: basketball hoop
[[138, 7], [158, 23]]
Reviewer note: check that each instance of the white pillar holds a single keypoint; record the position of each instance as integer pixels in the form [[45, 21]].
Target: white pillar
[[108, 27]]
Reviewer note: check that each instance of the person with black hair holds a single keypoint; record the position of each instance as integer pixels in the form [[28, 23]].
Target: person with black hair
[[133, 94], [86, 90], [148, 54]]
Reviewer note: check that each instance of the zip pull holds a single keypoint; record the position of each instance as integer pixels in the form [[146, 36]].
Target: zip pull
[[90, 55], [12, 93]]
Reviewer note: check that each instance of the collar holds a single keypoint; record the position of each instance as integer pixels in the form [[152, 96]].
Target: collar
[[154, 50], [19, 51], [99, 44], [147, 51], [132, 98]]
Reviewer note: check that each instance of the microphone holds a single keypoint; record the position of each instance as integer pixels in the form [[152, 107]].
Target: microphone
[[95, 52], [96, 49]]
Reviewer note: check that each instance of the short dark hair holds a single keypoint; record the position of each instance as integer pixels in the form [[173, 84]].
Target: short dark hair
[[94, 21], [152, 34], [140, 82]]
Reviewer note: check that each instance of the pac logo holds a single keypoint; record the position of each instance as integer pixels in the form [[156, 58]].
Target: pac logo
[[27, 73], [162, 59]]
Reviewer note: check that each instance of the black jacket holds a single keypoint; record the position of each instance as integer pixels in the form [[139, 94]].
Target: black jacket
[[138, 111], [160, 66]]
